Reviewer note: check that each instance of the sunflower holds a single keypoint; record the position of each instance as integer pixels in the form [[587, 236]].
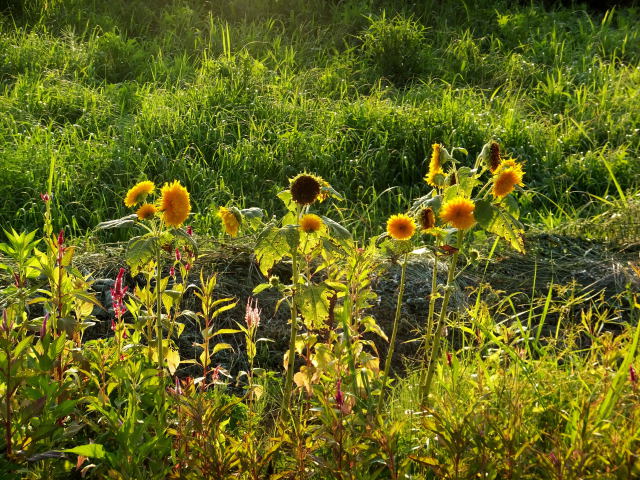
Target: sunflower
[[427, 219], [146, 211], [505, 180], [458, 213], [401, 227], [435, 168], [174, 204], [305, 188], [494, 157], [310, 223], [138, 193], [230, 221]]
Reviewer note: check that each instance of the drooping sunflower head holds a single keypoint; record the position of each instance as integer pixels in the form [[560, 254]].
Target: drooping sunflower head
[[174, 204], [401, 227], [435, 175], [230, 221], [505, 180], [459, 213], [426, 219], [311, 223], [494, 157], [138, 193], [305, 188], [146, 211]]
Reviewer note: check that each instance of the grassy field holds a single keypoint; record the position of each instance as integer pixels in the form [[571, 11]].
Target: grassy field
[[370, 324], [234, 97]]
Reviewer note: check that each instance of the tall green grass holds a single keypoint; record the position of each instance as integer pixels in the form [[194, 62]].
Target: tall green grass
[[234, 97]]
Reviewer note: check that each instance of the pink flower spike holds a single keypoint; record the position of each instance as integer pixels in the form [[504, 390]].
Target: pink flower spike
[[172, 271], [189, 230], [339, 394], [187, 266], [60, 238], [43, 327], [45, 197], [633, 376], [178, 255], [252, 313]]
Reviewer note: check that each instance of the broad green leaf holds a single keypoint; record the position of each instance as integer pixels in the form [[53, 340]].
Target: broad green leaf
[[173, 360], [253, 212], [313, 305], [273, 245], [91, 450], [500, 222], [140, 251], [337, 230], [127, 221], [221, 346]]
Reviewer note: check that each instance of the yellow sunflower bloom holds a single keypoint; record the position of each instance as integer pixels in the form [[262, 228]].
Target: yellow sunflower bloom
[[174, 204], [146, 211], [459, 213], [311, 223], [230, 222], [505, 180], [401, 227], [138, 193], [435, 167]]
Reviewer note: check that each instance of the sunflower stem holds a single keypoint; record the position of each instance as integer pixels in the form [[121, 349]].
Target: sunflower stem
[[432, 306], [159, 324], [392, 342], [294, 323], [435, 347]]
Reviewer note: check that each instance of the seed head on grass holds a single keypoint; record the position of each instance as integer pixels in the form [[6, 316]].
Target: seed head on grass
[[311, 223], [138, 193], [401, 227], [305, 188], [174, 204], [459, 213], [230, 222]]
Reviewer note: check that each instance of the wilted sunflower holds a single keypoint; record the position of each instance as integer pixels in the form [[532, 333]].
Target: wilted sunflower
[[427, 219], [174, 204], [401, 227], [459, 213], [138, 193], [230, 222], [505, 180], [146, 211], [310, 223], [494, 157], [435, 166], [305, 188]]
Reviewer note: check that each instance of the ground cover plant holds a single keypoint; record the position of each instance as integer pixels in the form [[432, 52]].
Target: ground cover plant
[[334, 144]]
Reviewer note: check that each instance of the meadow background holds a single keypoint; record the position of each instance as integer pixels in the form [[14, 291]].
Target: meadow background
[[235, 97], [529, 372]]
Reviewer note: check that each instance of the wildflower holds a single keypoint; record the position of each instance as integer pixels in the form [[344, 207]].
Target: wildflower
[[43, 327], [633, 376], [174, 204], [449, 359], [401, 227], [310, 223], [172, 271], [252, 313], [187, 267], [189, 230], [45, 197], [459, 213], [505, 180], [138, 193], [427, 219], [61, 247], [339, 394], [230, 221], [146, 211], [178, 255], [305, 188], [435, 167], [117, 294], [494, 157]]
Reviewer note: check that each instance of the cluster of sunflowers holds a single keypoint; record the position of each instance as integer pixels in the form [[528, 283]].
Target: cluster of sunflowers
[[451, 195], [173, 205]]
